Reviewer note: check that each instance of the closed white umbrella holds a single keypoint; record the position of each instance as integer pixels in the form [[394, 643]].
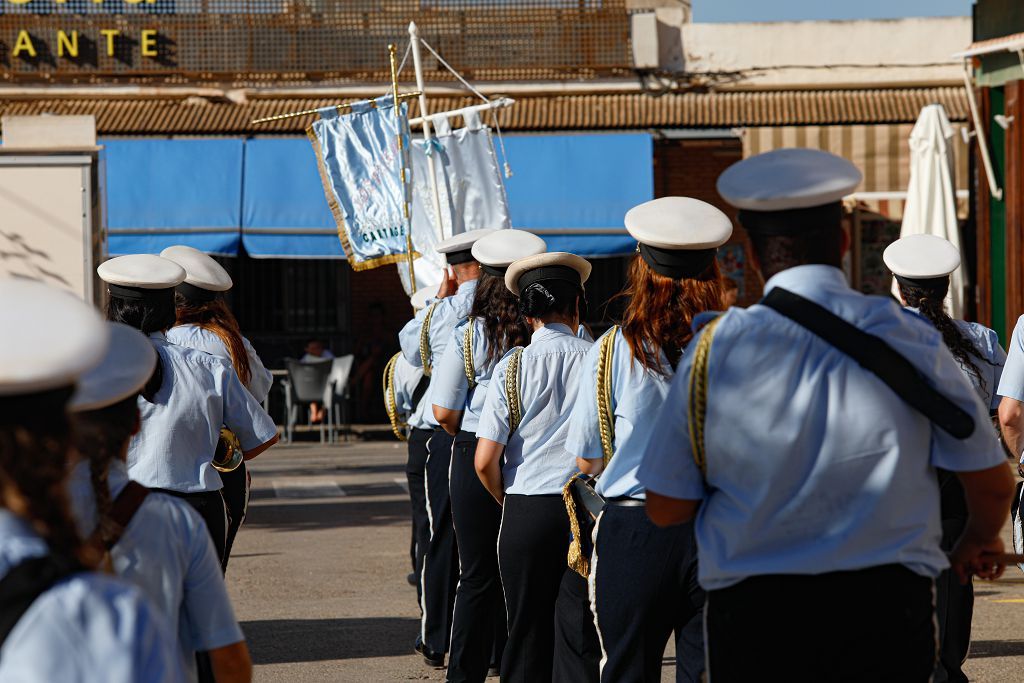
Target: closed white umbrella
[[931, 195]]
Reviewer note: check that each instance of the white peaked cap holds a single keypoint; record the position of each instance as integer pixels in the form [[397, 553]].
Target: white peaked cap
[[124, 370], [549, 259], [50, 337], [680, 223], [502, 247], [790, 178], [464, 241], [201, 270], [921, 257], [422, 295], [141, 271]]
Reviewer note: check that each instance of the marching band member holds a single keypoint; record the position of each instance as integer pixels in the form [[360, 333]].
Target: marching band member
[[807, 430], [193, 394], [458, 389], [405, 389], [643, 580], [526, 419], [59, 622], [205, 323], [423, 341], [922, 265], [156, 542]]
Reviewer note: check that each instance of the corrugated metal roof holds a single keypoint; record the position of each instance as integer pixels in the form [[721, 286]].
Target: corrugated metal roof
[[198, 116]]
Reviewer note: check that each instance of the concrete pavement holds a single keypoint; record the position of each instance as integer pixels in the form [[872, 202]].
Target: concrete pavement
[[318, 574]]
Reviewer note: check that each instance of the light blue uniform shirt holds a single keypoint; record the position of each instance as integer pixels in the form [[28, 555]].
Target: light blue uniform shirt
[[448, 313], [88, 628], [178, 439], [993, 357], [195, 337], [536, 462], [636, 392], [166, 551], [449, 386], [1011, 383], [813, 464], [407, 378]]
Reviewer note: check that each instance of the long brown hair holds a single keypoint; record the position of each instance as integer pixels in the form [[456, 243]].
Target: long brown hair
[[99, 437], [661, 309], [499, 309], [35, 436], [218, 318]]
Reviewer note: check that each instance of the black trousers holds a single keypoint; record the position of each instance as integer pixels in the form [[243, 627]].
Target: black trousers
[[874, 625], [954, 603], [415, 475], [532, 545], [236, 500], [441, 562], [577, 648], [644, 587], [479, 624], [210, 506]]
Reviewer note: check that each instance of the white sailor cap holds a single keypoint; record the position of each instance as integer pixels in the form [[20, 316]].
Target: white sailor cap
[[50, 337], [140, 276], [554, 265], [787, 179], [124, 370], [497, 251], [422, 295], [921, 257], [204, 277], [458, 248], [678, 236]]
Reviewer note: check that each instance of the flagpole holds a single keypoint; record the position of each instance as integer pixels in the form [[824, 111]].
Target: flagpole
[[417, 62], [402, 159]]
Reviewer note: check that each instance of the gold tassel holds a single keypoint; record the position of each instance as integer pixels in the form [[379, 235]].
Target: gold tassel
[[578, 562]]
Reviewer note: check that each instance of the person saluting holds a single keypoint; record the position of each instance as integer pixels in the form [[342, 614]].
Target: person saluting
[[807, 429]]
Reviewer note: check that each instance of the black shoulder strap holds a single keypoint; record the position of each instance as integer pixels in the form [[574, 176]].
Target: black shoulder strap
[[26, 582], [122, 510], [874, 355]]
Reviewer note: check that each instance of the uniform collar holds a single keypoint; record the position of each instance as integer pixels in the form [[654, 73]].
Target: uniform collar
[[467, 287], [14, 527], [808, 280], [551, 330]]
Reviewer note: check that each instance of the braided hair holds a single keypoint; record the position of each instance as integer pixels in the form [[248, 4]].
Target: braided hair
[[927, 297], [100, 437], [35, 436], [499, 309]]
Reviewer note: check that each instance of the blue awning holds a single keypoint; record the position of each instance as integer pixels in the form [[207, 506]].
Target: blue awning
[[574, 190], [285, 213], [166, 192]]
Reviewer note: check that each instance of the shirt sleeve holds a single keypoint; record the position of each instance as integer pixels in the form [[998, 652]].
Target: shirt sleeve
[[206, 606], [260, 379], [449, 387], [243, 415], [981, 450], [584, 438], [409, 339], [667, 467], [495, 418], [1011, 383]]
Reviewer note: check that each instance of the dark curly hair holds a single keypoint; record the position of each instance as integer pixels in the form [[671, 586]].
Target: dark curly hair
[[927, 298], [35, 436], [99, 436], [498, 308], [147, 317], [216, 317], [661, 309]]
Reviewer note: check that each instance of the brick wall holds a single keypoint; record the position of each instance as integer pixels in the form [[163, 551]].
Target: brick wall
[[690, 168]]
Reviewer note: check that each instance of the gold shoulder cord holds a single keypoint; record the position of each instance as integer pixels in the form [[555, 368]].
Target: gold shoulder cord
[[699, 395], [467, 353], [425, 340], [390, 403], [515, 408], [605, 418]]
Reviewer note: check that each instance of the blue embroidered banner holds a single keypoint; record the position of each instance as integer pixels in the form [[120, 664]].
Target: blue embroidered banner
[[360, 165]]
